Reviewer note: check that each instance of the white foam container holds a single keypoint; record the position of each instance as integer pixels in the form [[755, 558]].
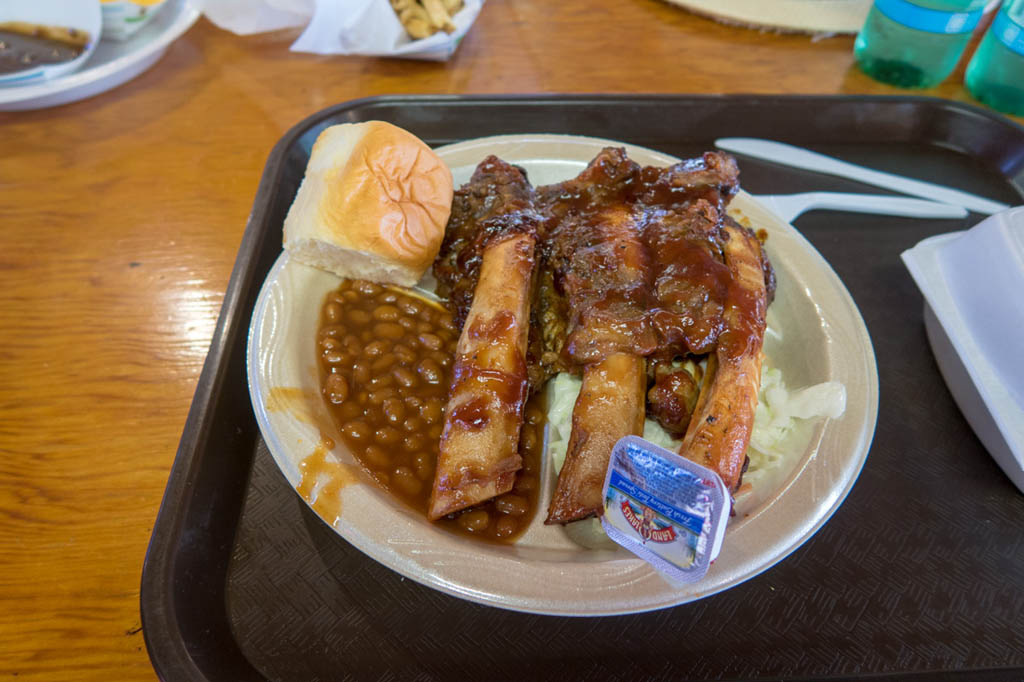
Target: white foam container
[[973, 285]]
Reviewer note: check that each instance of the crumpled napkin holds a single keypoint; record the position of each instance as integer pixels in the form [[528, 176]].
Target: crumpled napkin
[[363, 27]]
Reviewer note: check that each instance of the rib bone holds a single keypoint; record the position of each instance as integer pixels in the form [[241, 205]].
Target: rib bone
[[719, 431], [610, 406], [479, 444]]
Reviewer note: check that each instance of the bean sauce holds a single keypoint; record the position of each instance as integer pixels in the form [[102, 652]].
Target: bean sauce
[[386, 358]]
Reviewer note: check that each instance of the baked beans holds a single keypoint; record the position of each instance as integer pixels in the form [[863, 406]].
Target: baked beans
[[385, 361]]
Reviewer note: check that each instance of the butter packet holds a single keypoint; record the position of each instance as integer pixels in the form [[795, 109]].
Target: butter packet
[[123, 18], [667, 510]]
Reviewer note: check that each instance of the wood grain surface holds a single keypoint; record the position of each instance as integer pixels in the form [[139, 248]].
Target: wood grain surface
[[120, 217]]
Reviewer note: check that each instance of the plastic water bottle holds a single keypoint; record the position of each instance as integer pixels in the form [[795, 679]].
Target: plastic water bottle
[[996, 72], [916, 44]]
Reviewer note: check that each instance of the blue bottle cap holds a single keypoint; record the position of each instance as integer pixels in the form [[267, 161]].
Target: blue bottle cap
[[929, 20]]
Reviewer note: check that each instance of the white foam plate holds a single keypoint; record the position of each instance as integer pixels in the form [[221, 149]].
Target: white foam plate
[[806, 16], [823, 338]]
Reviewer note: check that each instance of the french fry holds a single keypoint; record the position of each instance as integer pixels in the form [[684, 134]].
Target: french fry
[[417, 23], [439, 17], [414, 19], [424, 18], [452, 6]]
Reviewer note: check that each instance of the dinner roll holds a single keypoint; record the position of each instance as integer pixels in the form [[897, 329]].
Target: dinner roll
[[372, 205]]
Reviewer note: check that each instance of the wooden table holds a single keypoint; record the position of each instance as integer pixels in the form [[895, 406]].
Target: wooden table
[[120, 217]]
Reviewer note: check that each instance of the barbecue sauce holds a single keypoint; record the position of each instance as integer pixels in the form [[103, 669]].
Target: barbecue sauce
[[672, 303]]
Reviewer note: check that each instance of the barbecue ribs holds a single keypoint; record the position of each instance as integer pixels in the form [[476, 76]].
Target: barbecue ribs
[[629, 276]]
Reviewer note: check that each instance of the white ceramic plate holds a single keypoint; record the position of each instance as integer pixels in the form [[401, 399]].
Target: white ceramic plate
[[111, 64], [544, 571], [74, 14]]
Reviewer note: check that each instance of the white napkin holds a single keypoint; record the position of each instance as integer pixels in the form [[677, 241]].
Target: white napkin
[[364, 27], [245, 17]]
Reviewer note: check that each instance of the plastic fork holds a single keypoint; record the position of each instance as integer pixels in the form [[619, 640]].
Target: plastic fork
[[789, 206]]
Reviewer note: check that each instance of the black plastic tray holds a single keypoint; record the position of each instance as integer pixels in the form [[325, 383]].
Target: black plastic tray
[[920, 572]]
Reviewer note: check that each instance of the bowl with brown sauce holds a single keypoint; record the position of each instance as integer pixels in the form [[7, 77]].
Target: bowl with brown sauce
[[45, 39], [348, 379]]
